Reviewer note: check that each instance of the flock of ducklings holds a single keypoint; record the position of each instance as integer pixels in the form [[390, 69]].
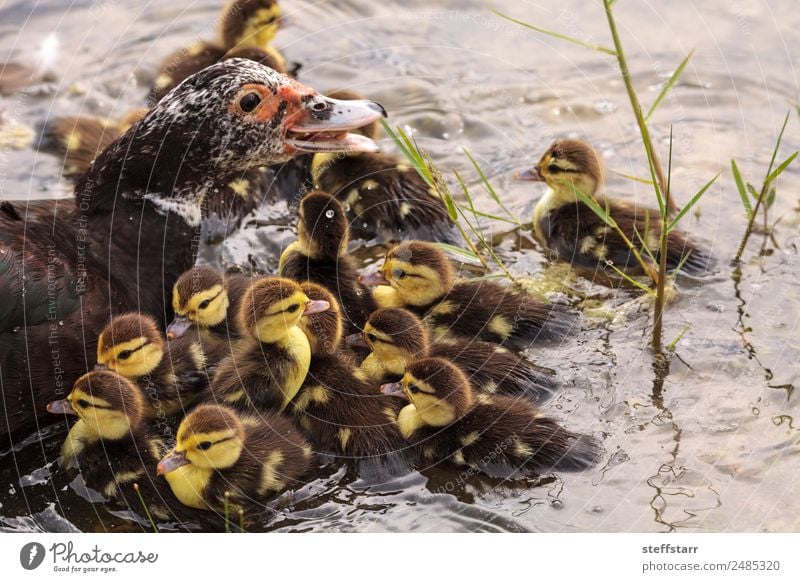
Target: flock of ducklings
[[255, 375]]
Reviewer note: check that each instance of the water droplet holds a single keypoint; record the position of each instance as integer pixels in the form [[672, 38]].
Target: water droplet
[[329, 214], [557, 504]]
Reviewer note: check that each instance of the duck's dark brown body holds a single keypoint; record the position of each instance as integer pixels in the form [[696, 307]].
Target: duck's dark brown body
[[503, 436], [343, 413], [488, 311], [575, 234], [265, 436]]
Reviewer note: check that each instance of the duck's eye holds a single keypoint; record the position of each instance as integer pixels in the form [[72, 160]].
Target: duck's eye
[[398, 273], [204, 446], [204, 304], [554, 169], [124, 355], [413, 389], [294, 307], [82, 403], [372, 337], [249, 102]]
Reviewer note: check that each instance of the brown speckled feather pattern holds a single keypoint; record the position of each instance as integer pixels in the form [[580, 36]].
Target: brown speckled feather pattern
[[265, 435], [575, 234], [506, 437], [345, 414]]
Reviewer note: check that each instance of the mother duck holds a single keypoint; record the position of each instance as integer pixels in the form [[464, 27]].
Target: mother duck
[[133, 227]]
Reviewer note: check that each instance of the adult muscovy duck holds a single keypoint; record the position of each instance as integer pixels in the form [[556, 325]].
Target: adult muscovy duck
[[133, 226]]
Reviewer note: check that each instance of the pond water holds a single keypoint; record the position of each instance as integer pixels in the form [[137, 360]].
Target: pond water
[[714, 445]]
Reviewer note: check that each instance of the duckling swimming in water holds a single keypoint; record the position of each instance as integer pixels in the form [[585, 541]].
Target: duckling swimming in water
[[498, 435], [320, 255], [574, 233], [266, 369], [248, 457], [396, 337], [383, 195], [418, 276], [172, 379], [339, 408], [112, 444]]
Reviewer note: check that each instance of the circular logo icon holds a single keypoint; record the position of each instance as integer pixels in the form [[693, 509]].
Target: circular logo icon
[[31, 555]]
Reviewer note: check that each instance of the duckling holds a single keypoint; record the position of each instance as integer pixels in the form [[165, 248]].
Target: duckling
[[573, 233], [417, 275], [384, 196], [65, 266], [497, 435], [320, 255], [112, 444], [248, 457], [243, 25], [205, 304], [339, 408], [132, 346], [265, 370], [396, 337]]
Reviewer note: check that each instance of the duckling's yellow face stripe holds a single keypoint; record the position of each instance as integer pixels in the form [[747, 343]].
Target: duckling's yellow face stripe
[[100, 417], [564, 177], [415, 284], [206, 308], [280, 317], [261, 28], [385, 350], [431, 408], [212, 450], [132, 359]]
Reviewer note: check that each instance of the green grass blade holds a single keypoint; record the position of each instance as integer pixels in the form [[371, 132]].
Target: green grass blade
[[633, 178], [674, 343], [488, 187], [630, 279], [467, 195], [695, 199], [406, 147], [779, 170], [668, 86], [463, 255], [488, 215], [652, 167], [596, 208], [777, 146], [558, 35], [737, 177]]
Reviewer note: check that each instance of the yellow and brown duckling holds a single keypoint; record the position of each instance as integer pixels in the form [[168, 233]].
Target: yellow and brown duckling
[[221, 452], [337, 405], [171, 374], [498, 435], [382, 195], [205, 304], [111, 443], [396, 338], [267, 367], [246, 30], [320, 255], [572, 232], [419, 276]]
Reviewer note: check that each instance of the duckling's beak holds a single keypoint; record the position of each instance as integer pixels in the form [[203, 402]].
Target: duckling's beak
[[171, 462], [356, 340], [373, 279], [532, 175], [178, 327], [394, 389], [61, 407], [99, 366], [313, 307], [322, 125]]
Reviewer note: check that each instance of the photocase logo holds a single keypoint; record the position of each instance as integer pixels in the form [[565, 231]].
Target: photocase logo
[[31, 555]]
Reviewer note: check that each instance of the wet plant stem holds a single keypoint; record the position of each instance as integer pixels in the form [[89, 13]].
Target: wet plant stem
[[635, 104], [146, 509]]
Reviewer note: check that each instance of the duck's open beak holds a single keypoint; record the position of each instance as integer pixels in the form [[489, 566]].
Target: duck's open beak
[[322, 125], [356, 340], [531, 175], [394, 389], [61, 407], [171, 462], [178, 327], [313, 307], [373, 279]]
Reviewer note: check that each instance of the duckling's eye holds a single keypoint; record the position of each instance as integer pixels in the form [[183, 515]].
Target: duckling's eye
[[82, 403], [372, 337], [413, 389], [204, 446], [554, 169], [124, 355], [249, 102], [294, 307], [204, 304], [398, 273]]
